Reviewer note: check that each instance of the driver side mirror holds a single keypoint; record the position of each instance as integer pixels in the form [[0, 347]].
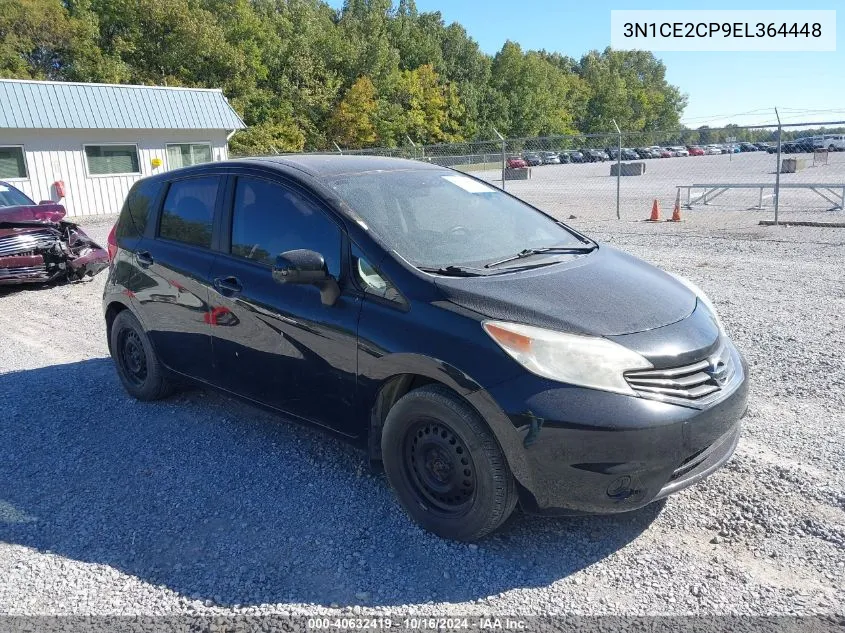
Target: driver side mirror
[[302, 266]]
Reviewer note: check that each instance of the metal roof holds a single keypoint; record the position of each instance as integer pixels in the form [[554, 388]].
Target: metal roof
[[63, 105]]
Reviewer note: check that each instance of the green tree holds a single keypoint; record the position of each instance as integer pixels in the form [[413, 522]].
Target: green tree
[[301, 73], [43, 39], [268, 138], [365, 27], [629, 87], [431, 110], [352, 122], [169, 42], [540, 97]]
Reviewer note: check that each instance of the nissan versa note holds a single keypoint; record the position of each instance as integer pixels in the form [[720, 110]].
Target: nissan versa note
[[481, 351]]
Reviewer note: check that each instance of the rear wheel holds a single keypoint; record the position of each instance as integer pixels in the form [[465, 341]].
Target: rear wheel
[[445, 465], [137, 364]]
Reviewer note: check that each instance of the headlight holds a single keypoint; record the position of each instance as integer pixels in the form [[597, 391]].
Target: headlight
[[698, 292], [587, 361]]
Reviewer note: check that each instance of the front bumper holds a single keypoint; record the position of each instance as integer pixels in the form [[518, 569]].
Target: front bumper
[[593, 452]]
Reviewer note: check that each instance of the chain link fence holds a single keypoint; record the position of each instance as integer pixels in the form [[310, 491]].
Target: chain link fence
[[731, 176]]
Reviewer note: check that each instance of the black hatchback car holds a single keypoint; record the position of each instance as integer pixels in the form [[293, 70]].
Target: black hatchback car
[[483, 352]]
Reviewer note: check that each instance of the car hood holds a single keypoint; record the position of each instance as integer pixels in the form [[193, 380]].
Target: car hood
[[603, 293], [32, 214]]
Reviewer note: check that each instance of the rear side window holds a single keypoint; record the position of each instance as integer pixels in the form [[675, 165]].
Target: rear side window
[[269, 219], [136, 210], [188, 211]]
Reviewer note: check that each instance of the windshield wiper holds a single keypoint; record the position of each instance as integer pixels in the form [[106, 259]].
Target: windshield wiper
[[453, 271], [529, 252]]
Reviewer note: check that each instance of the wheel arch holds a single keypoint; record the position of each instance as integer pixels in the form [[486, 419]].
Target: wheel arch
[[112, 310], [425, 371]]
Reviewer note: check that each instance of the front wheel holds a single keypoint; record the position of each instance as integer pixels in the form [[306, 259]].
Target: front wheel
[[446, 466]]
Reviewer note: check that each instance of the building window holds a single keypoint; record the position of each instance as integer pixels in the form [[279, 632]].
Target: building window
[[12, 163], [185, 154], [109, 160]]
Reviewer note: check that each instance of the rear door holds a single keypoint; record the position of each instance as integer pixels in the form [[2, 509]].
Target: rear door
[[176, 257], [278, 344]]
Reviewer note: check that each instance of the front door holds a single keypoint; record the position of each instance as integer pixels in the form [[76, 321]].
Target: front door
[[278, 344]]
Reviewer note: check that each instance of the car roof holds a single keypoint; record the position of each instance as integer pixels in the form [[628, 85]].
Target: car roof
[[327, 165]]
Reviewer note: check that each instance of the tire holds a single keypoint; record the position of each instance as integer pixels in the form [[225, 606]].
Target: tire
[[445, 465], [137, 365]]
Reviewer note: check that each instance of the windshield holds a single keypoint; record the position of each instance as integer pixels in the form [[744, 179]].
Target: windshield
[[11, 197], [441, 218]]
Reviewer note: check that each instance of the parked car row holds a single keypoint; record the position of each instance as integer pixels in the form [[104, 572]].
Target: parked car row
[[594, 155], [831, 142]]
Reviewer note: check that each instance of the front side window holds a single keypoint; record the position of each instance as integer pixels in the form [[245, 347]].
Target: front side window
[[186, 154], [188, 211], [105, 160], [12, 163], [372, 281], [436, 218], [269, 219]]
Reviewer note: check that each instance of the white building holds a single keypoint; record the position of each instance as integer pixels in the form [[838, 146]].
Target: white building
[[90, 142]]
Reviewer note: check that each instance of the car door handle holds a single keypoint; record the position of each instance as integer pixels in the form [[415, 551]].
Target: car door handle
[[144, 259], [227, 285]]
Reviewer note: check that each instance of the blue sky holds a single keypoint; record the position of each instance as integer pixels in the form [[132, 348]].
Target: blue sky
[[717, 83]]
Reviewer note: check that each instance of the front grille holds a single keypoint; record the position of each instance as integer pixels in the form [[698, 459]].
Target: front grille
[[697, 382], [26, 242], [23, 271]]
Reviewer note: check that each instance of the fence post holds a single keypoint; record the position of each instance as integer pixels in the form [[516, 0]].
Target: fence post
[[777, 168], [618, 168], [413, 145], [504, 149]]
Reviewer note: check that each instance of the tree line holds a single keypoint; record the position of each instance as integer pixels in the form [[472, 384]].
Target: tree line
[[304, 76]]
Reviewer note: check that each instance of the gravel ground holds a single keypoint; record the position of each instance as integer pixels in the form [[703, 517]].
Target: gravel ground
[[199, 504]]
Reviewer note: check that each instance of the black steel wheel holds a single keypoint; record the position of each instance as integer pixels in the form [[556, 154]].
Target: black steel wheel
[[440, 467], [131, 356], [445, 465], [135, 359]]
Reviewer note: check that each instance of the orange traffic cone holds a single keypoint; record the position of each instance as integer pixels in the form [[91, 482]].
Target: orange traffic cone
[[676, 212], [655, 212]]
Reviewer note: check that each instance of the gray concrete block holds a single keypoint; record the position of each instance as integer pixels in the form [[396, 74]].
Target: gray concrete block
[[792, 165], [521, 173], [628, 169]]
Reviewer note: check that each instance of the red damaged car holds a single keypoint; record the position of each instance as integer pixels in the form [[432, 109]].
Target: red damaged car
[[37, 245]]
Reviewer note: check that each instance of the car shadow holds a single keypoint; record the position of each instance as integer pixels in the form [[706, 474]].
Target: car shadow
[[219, 501]]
